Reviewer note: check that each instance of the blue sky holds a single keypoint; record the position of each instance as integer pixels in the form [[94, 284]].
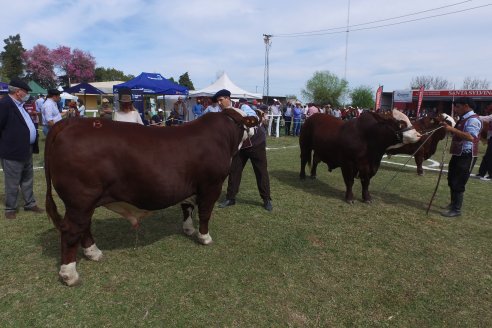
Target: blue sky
[[205, 38]]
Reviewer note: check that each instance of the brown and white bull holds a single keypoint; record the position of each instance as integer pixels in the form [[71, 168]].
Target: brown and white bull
[[356, 146], [432, 132], [132, 169]]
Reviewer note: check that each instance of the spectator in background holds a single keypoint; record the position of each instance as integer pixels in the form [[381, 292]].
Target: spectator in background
[[50, 111], [486, 165], [30, 107], [311, 110], [328, 110], [159, 118], [106, 111], [213, 107], [81, 108], [198, 109], [288, 118], [126, 112], [18, 141], [297, 117], [39, 103], [181, 110], [337, 113], [276, 113]]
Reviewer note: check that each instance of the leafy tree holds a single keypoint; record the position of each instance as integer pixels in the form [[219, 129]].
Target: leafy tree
[[11, 57], [185, 81], [171, 79], [475, 84], [325, 88], [40, 65], [111, 74], [429, 82], [362, 96], [78, 65]]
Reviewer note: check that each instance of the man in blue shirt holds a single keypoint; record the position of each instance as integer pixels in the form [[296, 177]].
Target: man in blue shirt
[[464, 147], [18, 141], [198, 109]]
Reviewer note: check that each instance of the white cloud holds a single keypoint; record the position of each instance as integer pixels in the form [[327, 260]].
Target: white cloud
[[204, 37]]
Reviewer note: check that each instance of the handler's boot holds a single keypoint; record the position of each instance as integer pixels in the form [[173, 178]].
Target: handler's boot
[[450, 205], [456, 206]]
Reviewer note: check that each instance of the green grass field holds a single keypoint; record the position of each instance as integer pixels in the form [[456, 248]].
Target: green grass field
[[315, 261]]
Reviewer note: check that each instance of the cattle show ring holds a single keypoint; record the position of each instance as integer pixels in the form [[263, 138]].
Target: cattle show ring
[[326, 255]]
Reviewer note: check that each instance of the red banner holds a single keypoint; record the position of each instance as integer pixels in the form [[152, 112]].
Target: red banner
[[379, 93], [421, 96]]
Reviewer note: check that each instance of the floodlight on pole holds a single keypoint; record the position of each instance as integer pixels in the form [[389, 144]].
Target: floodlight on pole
[[266, 74]]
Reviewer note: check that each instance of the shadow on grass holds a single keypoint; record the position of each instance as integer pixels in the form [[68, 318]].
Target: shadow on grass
[[313, 186], [117, 233]]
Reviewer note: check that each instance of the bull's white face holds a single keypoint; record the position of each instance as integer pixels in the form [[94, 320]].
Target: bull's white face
[[248, 132], [410, 136], [449, 119]]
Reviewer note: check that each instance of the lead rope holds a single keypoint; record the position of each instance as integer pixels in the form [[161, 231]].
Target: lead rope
[[409, 158], [440, 175]]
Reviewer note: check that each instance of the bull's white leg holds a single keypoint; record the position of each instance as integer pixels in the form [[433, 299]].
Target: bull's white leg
[[68, 273], [188, 226], [93, 253], [204, 239]]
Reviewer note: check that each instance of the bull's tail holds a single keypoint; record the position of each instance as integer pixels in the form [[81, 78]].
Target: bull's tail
[[51, 208]]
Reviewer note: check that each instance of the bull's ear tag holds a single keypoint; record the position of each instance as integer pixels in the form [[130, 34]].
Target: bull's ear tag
[[97, 124]]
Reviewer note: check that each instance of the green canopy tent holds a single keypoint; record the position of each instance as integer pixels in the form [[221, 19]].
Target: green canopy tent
[[36, 89]]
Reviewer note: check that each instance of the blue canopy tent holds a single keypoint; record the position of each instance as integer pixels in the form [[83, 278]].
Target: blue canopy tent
[[149, 84], [152, 84], [84, 88], [4, 88]]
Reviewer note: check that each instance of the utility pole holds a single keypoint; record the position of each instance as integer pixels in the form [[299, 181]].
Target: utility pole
[[266, 74], [346, 41]]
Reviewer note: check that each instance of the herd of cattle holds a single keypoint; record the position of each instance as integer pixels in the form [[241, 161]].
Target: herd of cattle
[[127, 174]]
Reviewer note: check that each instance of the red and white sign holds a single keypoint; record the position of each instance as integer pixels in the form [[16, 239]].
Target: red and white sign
[[379, 93], [421, 96], [455, 93]]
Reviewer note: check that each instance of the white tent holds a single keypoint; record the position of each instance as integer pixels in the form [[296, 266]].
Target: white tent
[[224, 82]]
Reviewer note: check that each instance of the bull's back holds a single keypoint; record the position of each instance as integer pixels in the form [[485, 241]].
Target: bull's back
[[137, 164]]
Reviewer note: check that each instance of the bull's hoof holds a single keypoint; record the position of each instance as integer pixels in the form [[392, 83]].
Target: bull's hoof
[[204, 239], [93, 253], [368, 201], [313, 177], [69, 275], [350, 201]]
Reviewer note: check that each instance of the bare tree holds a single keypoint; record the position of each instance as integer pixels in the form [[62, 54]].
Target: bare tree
[[429, 82], [475, 83]]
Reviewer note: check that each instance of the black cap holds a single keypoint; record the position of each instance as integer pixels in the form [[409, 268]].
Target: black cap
[[53, 92], [221, 93], [263, 107], [18, 83], [242, 100], [465, 101]]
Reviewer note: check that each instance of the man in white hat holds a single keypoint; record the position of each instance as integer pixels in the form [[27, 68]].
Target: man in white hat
[[106, 111]]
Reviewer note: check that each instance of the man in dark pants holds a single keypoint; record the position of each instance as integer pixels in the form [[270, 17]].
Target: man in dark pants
[[486, 165], [18, 140], [464, 147], [254, 150]]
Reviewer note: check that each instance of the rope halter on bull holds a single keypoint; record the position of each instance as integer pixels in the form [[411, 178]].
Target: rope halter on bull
[[431, 132]]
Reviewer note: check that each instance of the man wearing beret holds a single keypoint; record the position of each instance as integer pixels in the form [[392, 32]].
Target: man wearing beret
[[18, 140], [254, 150]]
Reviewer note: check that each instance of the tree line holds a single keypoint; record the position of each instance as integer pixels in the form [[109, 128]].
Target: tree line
[[60, 66]]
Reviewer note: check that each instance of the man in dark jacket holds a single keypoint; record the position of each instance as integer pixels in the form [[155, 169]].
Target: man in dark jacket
[[253, 150], [18, 140]]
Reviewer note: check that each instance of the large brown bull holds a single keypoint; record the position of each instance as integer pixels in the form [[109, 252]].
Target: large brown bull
[[132, 169], [356, 146]]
